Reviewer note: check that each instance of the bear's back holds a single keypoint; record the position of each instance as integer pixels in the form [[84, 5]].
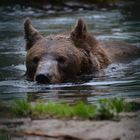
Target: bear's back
[[120, 52]]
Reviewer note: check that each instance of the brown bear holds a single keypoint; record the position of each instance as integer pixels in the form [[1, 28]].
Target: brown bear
[[61, 57]]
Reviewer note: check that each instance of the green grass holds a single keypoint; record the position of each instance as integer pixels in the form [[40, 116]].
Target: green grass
[[104, 109], [21, 108], [110, 108]]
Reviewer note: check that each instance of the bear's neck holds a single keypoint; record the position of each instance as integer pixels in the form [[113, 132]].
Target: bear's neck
[[102, 58], [98, 52]]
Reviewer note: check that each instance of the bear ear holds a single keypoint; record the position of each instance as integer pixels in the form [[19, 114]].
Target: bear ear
[[79, 30], [31, 34]]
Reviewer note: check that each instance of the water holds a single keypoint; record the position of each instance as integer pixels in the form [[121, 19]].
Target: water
[[118, 80]]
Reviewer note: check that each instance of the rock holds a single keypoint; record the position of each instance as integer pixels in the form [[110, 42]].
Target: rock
[[127, 129]]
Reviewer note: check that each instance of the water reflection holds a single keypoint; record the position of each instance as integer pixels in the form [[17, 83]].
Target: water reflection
[[116, 80]]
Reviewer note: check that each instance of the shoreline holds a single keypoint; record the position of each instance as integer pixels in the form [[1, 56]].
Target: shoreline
[[127, 128]]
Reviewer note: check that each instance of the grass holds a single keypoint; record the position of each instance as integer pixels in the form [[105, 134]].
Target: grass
[[21, 108], [110, 108], [104, 109]]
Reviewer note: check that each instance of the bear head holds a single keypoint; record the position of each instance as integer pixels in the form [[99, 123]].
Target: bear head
[[57, 58]]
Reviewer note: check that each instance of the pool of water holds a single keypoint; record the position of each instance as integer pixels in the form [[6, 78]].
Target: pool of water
[[117, 80]]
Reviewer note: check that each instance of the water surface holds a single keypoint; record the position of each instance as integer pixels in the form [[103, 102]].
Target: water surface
[[118, 80]]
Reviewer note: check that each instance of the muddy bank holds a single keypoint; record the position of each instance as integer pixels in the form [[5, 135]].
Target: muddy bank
[[127, 128]]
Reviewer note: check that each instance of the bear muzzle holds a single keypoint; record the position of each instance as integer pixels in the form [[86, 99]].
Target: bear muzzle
[[47, 72]]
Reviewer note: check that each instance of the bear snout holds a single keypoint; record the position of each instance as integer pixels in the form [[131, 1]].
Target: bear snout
[[42, 78], [47, 72]]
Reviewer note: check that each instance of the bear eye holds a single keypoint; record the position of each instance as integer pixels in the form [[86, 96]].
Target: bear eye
[[61, 59], [35, 60]]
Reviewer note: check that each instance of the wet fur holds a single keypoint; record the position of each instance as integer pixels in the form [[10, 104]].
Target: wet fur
[[79, 50]]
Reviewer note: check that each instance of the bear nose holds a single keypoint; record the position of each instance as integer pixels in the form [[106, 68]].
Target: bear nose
[[42, 78]]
